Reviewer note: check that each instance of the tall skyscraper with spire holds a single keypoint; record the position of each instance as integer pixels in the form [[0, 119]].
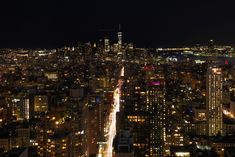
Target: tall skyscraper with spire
[[119, 39]]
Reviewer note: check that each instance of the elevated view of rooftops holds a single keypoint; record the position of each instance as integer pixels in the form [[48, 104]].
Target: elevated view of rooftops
[[123, 79]]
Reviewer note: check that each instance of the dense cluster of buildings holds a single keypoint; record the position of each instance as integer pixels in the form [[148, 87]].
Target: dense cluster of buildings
[[173, 101]]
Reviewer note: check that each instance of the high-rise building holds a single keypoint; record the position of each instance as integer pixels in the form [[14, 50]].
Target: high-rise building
[[211, 46], [58, 144], [22, 136], [214, 101], [134, 115], [24, 109], [106, 45], [41, 103], [123, 144], [144, 112], [200, 123], [155, 100], [119, 39], [79, 145]]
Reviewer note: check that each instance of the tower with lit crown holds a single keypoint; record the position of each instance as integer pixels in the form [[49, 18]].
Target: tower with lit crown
[[155, 95], [214, 101]]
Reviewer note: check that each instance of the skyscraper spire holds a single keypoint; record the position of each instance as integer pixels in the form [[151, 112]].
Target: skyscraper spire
[[119, 27]]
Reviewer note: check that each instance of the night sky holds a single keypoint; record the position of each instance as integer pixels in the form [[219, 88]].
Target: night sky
[[147, 23]]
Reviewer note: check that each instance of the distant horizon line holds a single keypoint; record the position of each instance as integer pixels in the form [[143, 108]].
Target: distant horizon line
[[92, 42]]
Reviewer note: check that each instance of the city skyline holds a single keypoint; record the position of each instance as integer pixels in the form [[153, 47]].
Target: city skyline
[[112, 99], [117, 79]]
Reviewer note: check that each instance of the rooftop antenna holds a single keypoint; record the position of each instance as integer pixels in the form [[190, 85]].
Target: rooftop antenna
[[119, 27]]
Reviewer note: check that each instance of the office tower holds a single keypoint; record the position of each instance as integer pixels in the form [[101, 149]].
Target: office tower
[[139, 124], [24, 109], [101, 117], [144, 111], [114, 47], [60, 145], [41, 103], [106, 45], [155, 99], [22, 136], [211, 46], [200, 123], [214, 101], [56, 144], [119, 39], [79, 122], [123, 144], [133, 113], [155, 102], [79, 130], [15, 110]]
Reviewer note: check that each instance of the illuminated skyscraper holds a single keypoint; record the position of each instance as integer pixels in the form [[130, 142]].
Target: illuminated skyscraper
[[214, 101], [24, 109], [156, 104], [106, 45], [119, 39], [41, 103], [144, 110], [211, 46], [155, 101]]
